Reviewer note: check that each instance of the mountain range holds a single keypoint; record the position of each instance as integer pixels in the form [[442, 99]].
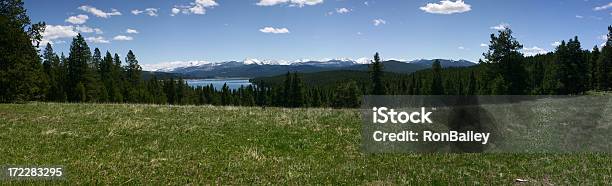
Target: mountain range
[[251, 68]]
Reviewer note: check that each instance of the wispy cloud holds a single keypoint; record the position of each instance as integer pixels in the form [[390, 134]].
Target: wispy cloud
[[343, 10], [533, 51], [295, 3], [98, 39], [501, 26], [86, 29], [77, 20], [149, 11], [272, 30], [123, 38], [131, 31], [99, 13], [603, 7], [379, 22]]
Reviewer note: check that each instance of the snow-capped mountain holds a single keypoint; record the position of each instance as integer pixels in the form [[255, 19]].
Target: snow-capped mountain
[[251, 67], [170, 66]]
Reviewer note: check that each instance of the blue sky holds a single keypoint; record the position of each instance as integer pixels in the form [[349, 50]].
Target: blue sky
[[223, 30]]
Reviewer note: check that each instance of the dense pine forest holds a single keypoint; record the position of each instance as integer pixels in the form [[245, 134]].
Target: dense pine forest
[[30, 74]]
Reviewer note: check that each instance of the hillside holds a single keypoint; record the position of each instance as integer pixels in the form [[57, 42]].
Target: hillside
[[178, 145]]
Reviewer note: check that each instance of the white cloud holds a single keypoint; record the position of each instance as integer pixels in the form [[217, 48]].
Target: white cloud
[[379, 22], [197, 7], [579, 16], [175, 11], [603, 7], [533, 51], [123, 38], [149, 11], [483, 45], [461, 48], [98, 39], [447, 7], [136, 12], [272, 30], [86, 29], [298, 3], [53, 32], [131, 31], [604, 38], [343, 10], [501, 26], [79, 19], [555, 44], [98, 12]]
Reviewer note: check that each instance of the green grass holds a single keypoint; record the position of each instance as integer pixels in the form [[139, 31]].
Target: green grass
[[146, 144]]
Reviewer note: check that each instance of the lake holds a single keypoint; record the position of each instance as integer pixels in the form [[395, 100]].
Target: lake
[[218, 83]]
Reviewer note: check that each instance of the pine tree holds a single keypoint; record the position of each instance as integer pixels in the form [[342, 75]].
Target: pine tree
[[78, 60], [21, 74], [133, 69], [117, 78], [436, 83], [471, 88], [376, 75], [506, 60], [132, 75], [604, 63], [50, 63], [226, 95], [297, 91], [286, 99], [347, 96], [96, 86], [593, 67]]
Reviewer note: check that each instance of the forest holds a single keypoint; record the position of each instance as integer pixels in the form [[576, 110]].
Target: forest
[[30, 74]]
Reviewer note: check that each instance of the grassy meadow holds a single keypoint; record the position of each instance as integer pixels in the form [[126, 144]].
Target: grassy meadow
[[147, 144]]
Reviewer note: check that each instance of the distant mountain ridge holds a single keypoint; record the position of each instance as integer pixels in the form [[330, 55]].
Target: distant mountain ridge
[[251, 68]]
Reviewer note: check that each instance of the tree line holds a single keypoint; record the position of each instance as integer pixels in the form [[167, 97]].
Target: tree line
[[86, 76]]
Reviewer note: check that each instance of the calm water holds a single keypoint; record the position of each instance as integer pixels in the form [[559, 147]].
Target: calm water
[[218, 83]]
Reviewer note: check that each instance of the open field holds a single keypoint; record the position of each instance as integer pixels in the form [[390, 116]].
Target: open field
[[115, 144]]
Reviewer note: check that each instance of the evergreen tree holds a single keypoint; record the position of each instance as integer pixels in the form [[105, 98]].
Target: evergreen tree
[[297, 91], [506, 60], [50, 66], [133, 69], [225, 95], [21, 73], [132, 76], [286, 98], [593, 67], [96, 86], [471, 88], [78, 69], [436, 83], [604, 63], [573, 69], [347, 96], [117, 78], [376, 75]]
